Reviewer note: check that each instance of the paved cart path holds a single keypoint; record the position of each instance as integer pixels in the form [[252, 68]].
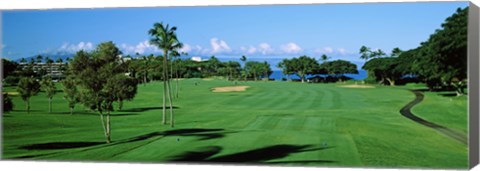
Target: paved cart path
[[405, 111]]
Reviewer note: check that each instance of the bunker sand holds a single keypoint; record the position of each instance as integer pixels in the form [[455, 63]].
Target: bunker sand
[[229, 89]]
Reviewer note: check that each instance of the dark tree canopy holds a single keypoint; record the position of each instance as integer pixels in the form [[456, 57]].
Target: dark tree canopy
[[384, 69], [8, 67], [442, 59], [339, 67]]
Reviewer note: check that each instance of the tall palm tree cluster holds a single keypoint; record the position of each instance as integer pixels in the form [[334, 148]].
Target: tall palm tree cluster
[[165, 38]]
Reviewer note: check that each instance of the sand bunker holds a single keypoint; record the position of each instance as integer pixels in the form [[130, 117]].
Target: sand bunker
[[12, 93], [207, 79], [357, 86], [229, 89]]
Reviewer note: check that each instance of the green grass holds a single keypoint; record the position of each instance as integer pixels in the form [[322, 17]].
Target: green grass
[[270, 123]]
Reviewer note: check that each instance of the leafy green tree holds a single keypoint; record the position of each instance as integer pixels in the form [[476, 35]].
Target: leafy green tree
[[304, 65], [213, 64], [8, 67], [258, 70], [287, 67], [252, 68], [165, 38], [441, 61], [123, 88], [7, 103], [339, 68], [94, 73], [265, 70], [233, 68], [28, 87], [50, 89], [384, 69], [71, 93]]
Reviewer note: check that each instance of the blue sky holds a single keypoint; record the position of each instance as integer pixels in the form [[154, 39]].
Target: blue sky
[[280, 31]]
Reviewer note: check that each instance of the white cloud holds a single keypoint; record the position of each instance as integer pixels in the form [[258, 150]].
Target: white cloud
[[219, 46], [342, 51], [141, 48], [186, 48], [324, 50], [87, 46], [332, 51], [265, 48], [262, 48], [291, 48]]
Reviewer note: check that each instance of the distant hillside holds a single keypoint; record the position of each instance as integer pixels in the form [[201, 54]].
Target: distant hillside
[[54, 56]]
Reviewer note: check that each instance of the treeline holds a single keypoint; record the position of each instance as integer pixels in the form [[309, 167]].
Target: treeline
[[150, 68], [13, 71], [305, 65], [440, 62]]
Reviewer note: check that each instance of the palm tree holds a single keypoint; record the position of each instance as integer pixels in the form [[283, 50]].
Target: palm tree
[[396, 52], [173, 55], [59, 60], [49, 63], [165, 38], [324, 58], [39, 58], [366, 53], [145, 70], [244, 59]]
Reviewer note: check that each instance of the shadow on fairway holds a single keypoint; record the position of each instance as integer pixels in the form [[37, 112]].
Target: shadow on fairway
[[260, 155], [203, 134], [448, 94], [60, 145], [143, 109], [201, 155], [91, 114], [26, 111]]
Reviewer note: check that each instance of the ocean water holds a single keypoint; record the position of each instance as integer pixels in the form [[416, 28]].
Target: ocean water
[[278, 75]]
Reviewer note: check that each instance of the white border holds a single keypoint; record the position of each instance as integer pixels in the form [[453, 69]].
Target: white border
[[68, 4], [54, 4]]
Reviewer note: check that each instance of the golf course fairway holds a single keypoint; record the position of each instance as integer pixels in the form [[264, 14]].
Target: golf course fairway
[[273, 123]]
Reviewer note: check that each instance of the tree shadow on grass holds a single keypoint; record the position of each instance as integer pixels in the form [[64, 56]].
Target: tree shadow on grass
[[60, 145], [77, 113], [197, 156], [447, 94], [202, 134], [25, 111], [143, 109], [255, 156]]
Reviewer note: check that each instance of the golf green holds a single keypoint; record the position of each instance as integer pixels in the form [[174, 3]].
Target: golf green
[[284, 123]]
